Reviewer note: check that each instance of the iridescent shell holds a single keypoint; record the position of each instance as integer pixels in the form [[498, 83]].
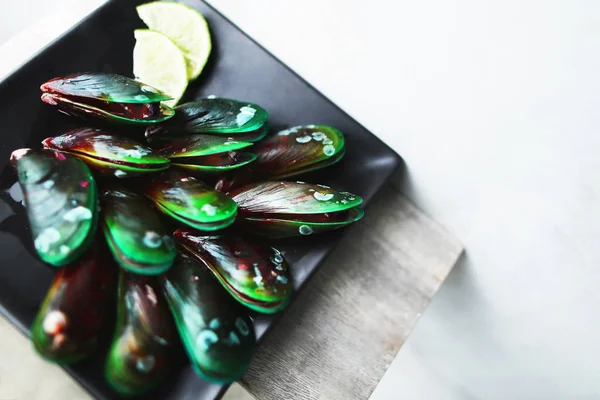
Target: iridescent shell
[[108, 97], [285, 209], [190, 201], [255, 275], [137, 238], [61, 203], [216, 331], [140, 357], [291, 152], [217, 116], [68, 325], [206, 154], [107, 153]]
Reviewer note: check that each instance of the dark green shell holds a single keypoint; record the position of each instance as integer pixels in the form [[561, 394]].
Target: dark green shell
[[284, 209], [291, 152], [140, 357], [61, 203], [190, 201], [68, 325], [216, 332], [255, 275], [109, 97], [218, 116], [107, 153], [137, 238], [206, 153]]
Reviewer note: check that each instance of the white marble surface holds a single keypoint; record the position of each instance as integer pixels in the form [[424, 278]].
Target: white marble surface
[[494, 107]]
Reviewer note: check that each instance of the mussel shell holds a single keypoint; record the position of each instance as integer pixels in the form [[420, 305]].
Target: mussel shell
[[284, 208], [215, 116], [107, 153], [291, 152], [206, 153], [137, 238], [191, 201], [69, 322], [140, 356], [79, 94], [61, 203], [216, 331], [255, 275]]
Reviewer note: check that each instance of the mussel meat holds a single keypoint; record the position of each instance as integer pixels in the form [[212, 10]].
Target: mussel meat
[[207, 154], [109, 97], [61, 203], [218, 116], [255, 275], [291, 152], [107, 153], [140, 357], [191, 201], [216, 332], [285, 209], [137, 238], [68, 325]]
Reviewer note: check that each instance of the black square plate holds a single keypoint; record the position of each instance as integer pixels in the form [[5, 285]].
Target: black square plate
[[238, 68]]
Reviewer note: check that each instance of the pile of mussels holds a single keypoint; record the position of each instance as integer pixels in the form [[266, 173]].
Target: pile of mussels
[[193, 283]]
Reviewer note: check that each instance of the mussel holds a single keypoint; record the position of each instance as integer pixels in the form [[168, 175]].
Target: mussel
[[61, 203], [191, 201], [284, 209], [216, 332], [137, 238], [68, 325], [217, 116], [291, 152], [140, 357], [107, 153], [109, 97], [255, 275], [207, 154]]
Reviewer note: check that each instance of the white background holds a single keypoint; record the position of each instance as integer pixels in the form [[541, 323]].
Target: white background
[[494, 106]]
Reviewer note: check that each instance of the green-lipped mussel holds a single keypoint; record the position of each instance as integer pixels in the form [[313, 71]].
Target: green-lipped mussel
[[141, 354], [207, 154], [68, 325], [255, 275], [284, 209], [216, 116], [136, 236], [61, 203], [291, 152], [216, 332], [190, 201], [107, 153], [108, 97]]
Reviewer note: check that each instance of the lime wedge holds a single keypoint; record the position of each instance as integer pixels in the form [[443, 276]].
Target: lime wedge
[[158, 62], [185, 26]]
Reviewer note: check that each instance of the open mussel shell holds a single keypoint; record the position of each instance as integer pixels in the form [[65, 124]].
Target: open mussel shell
[[140, 356], [206, 154], [68, 325], [137, 238], [108, 97], [255, 275], [216, 331], [291, 152], [286, 209], [107, 153], [191, 201], [61, 203], [215, 116]]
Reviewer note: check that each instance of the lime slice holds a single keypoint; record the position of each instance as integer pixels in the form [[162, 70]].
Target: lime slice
[[158, 62], [185, 26]]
